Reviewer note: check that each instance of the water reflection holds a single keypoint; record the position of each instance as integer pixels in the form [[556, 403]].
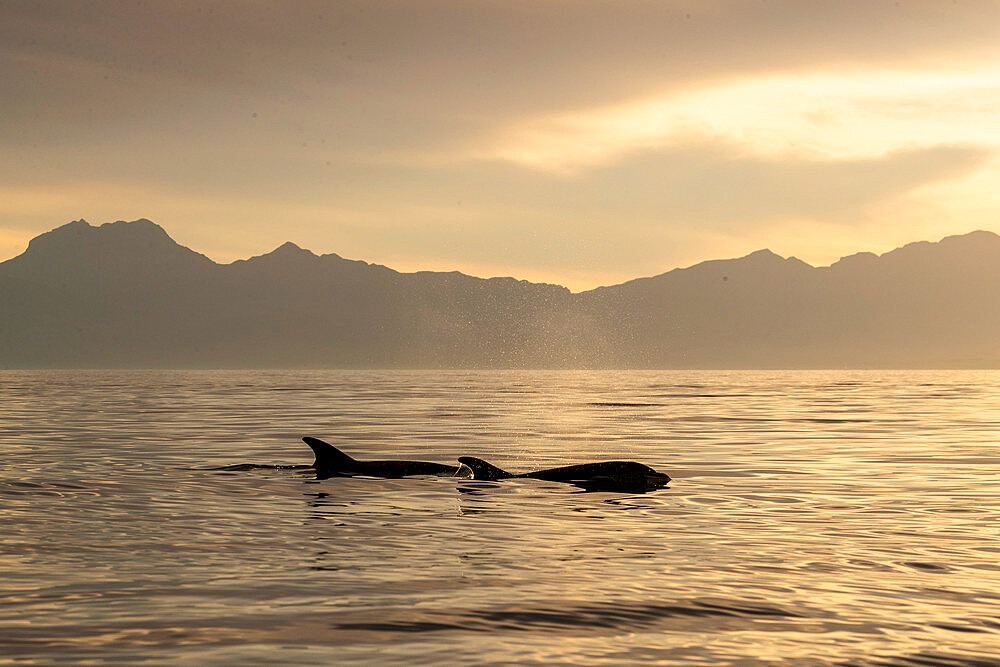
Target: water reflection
[[814, 518]]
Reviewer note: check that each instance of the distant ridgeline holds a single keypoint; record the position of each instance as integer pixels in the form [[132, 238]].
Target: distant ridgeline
[[126, 295]]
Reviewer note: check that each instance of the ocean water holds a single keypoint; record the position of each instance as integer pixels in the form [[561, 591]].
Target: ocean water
[[813, 518]]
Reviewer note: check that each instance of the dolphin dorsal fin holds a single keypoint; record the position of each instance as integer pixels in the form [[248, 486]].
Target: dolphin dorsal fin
[[483, 470], [328, 457]]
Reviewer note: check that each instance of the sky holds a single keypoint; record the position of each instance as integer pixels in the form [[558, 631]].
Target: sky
[[579, 142]]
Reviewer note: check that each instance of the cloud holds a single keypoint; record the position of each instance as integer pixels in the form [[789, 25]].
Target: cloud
[[480, 210], [721, 186], [419, 83], [703, 182], [395, 69], [831, 115]]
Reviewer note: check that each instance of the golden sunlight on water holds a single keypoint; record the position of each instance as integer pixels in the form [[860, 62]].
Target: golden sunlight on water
[[813, 518]]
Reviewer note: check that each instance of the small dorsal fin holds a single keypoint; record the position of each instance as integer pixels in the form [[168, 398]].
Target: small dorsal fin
[[483, 470], [328, 457]]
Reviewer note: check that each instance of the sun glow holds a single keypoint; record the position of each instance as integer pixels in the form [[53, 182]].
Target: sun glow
[[830, 116]]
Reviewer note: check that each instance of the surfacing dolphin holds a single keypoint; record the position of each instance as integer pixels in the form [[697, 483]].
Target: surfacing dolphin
[[604, 476], [331, 462]]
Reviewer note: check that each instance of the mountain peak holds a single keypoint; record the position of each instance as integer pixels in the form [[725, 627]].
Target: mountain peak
[[855, 261], [289, 248], [958, 248], [141, 228], [287, 253], [977, 237], [81, 231], [763, 253], [74, 229], [135, 247]]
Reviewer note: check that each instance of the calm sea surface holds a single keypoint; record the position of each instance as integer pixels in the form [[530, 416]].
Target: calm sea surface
[[814, 518]]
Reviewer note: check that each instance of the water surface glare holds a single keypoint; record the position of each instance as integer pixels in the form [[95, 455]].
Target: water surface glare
[[813, 518]]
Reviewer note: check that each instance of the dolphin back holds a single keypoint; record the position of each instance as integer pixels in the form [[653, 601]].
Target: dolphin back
[[483, 470], [328, 457]]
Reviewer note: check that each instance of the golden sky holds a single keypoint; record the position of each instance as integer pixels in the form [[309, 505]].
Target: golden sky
[[581, 142]]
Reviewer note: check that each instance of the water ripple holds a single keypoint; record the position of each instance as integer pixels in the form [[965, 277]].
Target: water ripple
[[814, 518]]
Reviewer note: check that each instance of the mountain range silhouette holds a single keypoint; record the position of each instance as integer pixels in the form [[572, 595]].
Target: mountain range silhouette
[[126, 295]]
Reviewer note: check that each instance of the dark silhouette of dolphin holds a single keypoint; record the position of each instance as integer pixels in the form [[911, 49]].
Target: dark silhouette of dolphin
[[604, 476], [331, 462]]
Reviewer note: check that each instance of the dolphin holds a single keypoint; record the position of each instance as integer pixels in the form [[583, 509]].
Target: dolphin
[[604, 476], [331, 462]]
